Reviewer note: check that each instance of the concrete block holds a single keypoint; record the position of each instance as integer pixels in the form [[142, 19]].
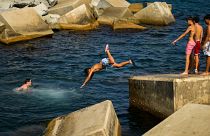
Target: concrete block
[[164, 94], [157, 13], [191, 120], [120, 24], [64, 6], [27, 25], [103, 4], [136, 7], [5, 4], [2, 27], [96, 120], [79, 27], [117, 12], [80, 15], [41, 9]]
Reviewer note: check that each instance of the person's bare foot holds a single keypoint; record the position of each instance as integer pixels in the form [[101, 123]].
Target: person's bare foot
[[107, 48], [205, 74], [184, 74]]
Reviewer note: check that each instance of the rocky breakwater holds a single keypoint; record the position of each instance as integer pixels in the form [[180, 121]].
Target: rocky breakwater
[[76, 15], [97, 120]]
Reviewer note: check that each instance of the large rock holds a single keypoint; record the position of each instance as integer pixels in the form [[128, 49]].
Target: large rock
[[2, 27], [164, 94], [27, 25], [80, 15], [120, 24], [64, 6], [52, 20], [52, 2], [114, 13], [5, 4], [191, 120], [80, 27], [41, 9], [157, 13], [103, 4], [136, 7], [29, 3], [96, 120]]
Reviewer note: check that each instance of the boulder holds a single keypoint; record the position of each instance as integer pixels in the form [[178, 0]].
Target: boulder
[[79, 27], [64, 6], [29, 3], [136, 7], [52, 20], [103, 4], [97, 120], [27, 25], [157, 13], [114, 13], [5, 4], [80, 15], [41, 9], [120, 24], [52, 2], [2, 27]]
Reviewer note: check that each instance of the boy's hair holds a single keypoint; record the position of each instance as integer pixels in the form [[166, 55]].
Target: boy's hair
[[190, 18], [27, 80], [196, 19], [207, 17]]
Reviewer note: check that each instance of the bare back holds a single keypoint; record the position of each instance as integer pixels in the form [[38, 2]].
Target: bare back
[[192, 33], [97, 67], [198, 32]]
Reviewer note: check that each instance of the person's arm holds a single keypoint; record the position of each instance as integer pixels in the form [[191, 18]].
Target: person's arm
[[87, 79], [207, 35], [182, 35]]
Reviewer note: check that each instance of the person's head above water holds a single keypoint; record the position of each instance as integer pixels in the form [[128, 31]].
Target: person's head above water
[[190, 20], [207, 19], [28, 81], [196, 19]]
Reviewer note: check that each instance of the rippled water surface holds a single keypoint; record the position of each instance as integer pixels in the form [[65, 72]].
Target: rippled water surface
[[56, 67]]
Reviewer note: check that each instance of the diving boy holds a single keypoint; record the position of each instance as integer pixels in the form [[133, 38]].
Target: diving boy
[[25, 86]]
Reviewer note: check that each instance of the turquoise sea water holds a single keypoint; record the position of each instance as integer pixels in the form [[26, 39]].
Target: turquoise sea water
[[56, 67]]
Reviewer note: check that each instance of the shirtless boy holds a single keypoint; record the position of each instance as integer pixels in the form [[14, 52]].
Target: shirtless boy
[[103, 64], [198, 39], [206, 44], [25, 86], [191, 43]]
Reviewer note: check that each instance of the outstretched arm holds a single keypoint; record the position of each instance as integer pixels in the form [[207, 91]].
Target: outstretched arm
[[88, 78], [182, 35]]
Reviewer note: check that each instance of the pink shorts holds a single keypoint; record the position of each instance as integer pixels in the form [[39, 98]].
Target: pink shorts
[[190, 46]]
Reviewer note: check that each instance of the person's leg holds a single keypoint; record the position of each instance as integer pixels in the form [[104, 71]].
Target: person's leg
[[186, 64], [207, 66], [111, 59], [122, 64], [196, 62]]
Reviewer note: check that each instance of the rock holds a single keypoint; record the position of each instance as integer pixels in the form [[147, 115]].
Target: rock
[[29, 3], [27, 25], [80, 15], [52, 2], [41, 9], [148, 3], [126, 25], [97, 120], [5, 4], [157, 13], [114, 13], [79, 27], [2, 27], [103, 4], [64, 6], [51, 18], [136, 7]]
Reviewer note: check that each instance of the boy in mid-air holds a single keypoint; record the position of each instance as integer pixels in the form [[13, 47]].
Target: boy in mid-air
[[25, 86], [206, 44], [198, 39], [103, 64], [190, 44]]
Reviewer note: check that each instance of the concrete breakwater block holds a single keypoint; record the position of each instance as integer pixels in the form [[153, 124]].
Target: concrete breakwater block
[[64, 6], [80, 15], [97, 120], [103, 4], [164, 94], [157, 13], [126, 25], [22, 24], [191, 120]]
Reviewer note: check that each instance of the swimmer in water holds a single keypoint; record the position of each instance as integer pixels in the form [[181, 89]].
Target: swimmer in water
[[190, 44], [103, 64], [25, 86]]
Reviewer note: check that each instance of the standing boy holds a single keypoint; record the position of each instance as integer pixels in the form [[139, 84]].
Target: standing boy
[[206, 44], [190, 44], [198, 39]]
